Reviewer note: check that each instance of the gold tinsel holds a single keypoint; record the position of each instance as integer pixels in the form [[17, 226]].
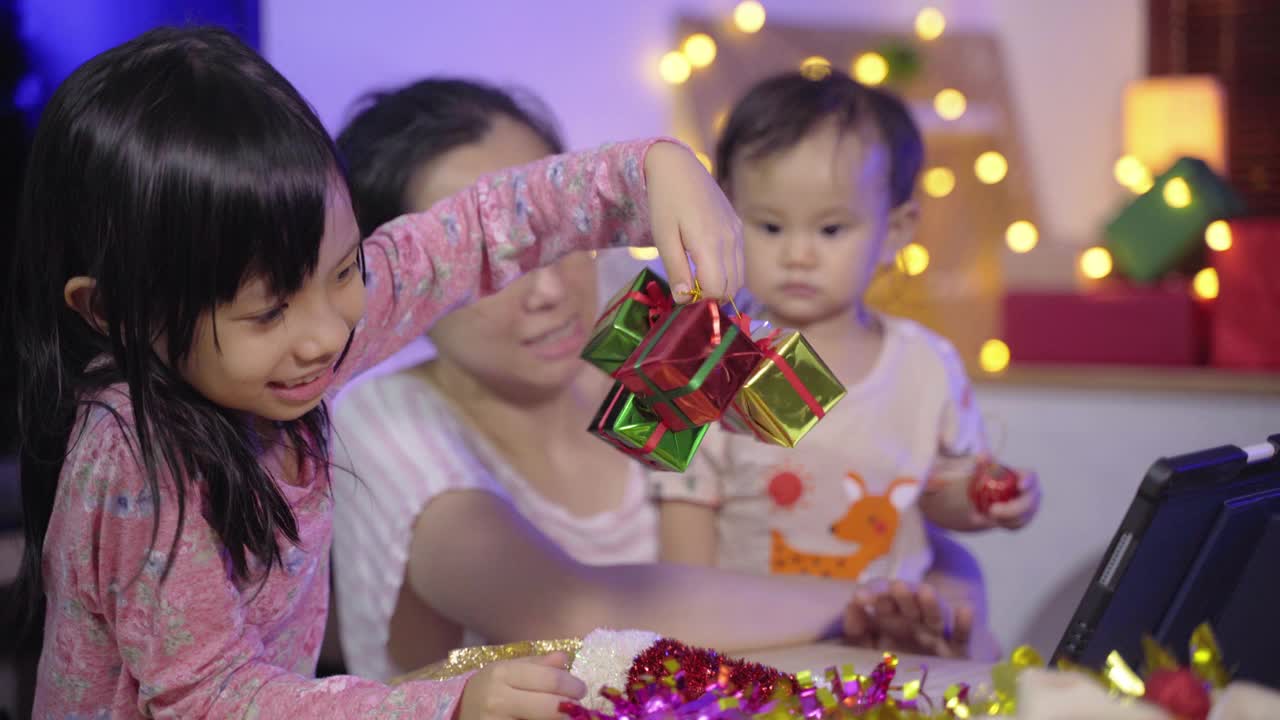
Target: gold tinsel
[[465, 660]]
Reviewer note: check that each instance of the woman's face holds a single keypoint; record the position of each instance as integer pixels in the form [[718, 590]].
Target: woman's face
[[524, 341]]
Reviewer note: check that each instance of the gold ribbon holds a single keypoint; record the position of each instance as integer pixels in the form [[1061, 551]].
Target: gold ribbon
[[464, 660]]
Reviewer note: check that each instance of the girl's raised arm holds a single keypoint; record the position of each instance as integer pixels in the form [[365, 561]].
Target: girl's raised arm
[[420, 266]]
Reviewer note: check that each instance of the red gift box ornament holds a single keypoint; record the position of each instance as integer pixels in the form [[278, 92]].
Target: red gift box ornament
[[689, 367]]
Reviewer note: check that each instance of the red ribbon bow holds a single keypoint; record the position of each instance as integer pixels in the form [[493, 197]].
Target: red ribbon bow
[[766, 345]]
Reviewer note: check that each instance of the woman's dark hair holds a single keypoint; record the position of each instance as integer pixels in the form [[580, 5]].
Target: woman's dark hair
[[170, 169], [398, 131], [780, 111]]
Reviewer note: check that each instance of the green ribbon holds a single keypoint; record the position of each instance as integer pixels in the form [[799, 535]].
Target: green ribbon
[[668, 397]]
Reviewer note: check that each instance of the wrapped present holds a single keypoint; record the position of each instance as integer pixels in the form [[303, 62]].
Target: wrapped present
[[626, 320], [1116, 324], [1246, 313], [627, 425], [1165, 225], [689, 367], [789, 392]]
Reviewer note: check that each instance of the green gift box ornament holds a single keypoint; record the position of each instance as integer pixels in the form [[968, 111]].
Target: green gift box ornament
[[626, 320], [1163, 226], [628, 426]]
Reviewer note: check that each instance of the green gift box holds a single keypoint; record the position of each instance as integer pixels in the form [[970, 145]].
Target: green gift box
[[1163, 226], [626, 320], [625, 424]]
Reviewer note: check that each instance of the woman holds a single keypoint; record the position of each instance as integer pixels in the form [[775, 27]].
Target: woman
[[489, 514]]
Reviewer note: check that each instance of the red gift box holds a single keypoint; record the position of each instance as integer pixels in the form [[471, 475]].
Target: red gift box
[[1246, 313], [690, 365], [1117, 324]]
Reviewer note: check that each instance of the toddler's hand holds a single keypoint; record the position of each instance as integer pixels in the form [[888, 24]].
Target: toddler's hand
[[525, 689], [896, 616], [1019, 511], [690, 214]]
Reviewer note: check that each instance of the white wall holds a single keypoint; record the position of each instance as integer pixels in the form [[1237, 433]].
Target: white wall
[[594, 63]]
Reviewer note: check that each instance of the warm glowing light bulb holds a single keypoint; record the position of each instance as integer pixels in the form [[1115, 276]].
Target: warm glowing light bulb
[[994, 356], [870, 68], [912, 259], [704, 159], [950, 104], [930, 23], [815, 67], [700, 49], [1218, 236], [1205, 284], [644, 253], [991, 167], [1143, 184], [1095, 263], [1022, 236], [938, 182], [749, 16], [1177, 193], [1130, 172], [674, 68]]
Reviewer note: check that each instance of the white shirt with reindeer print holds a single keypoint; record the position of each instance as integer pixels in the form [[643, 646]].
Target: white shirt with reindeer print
[[843, 503]]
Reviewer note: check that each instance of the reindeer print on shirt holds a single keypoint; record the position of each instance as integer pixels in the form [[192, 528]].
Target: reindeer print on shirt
[[870, 525]]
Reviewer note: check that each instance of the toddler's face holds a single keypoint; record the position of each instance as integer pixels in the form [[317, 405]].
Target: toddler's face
[[817, 221], [523, 341], [274, 357]]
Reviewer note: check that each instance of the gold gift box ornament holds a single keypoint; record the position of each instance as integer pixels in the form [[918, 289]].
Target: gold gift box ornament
[[787, 394]]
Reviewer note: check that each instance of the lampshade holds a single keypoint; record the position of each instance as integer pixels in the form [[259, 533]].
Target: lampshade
[[1173, 116]]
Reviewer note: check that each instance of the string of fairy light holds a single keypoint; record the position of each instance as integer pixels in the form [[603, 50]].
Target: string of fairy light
[[698, 51]]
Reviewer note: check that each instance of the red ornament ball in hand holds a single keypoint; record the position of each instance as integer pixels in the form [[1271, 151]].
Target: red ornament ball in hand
[[1180, 692], [993, 483]]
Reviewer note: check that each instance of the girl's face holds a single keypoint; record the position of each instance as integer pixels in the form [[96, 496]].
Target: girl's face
[[817, 221], [274, 357], [524, 341]]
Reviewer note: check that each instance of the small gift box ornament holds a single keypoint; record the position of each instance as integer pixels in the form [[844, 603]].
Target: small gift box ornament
[[626, 320], [627, 425], [787, 394], [689, 367]]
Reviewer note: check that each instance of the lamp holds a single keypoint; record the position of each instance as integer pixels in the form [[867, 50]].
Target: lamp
[[1174, 116]]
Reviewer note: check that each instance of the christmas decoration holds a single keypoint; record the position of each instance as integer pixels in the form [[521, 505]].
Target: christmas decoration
[[638, 675], [787, 394], [1246, 313], [1114, 324], [626, 320], [689, 367], [992, 483], [1164, 225], [629, 426]]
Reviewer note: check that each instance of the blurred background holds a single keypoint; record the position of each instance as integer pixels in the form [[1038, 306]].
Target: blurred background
[[1101, 200]]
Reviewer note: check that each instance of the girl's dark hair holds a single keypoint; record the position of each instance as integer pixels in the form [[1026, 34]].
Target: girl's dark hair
[[170, 169], [398, 131], [781, 110]]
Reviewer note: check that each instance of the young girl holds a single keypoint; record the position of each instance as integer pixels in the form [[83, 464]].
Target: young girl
[[822, 173], [190, 286], [569, 536]]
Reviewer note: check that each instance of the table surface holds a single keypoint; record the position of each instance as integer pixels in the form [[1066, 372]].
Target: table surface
[[942, 672]]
